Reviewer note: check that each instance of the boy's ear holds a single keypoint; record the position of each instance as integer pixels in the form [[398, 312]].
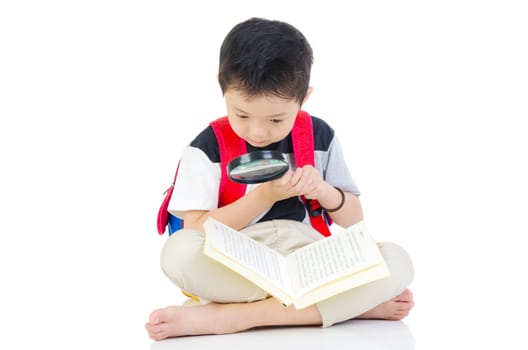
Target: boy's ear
[[308, 93]]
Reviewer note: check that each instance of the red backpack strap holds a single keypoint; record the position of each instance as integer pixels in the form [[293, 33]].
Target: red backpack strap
[[229, 191], [304, 149], [164, 217], [230, 146]]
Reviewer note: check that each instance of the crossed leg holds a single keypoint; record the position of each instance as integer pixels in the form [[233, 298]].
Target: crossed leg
[[215, 318]]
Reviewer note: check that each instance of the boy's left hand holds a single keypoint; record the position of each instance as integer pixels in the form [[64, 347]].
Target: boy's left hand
[[305, 181]]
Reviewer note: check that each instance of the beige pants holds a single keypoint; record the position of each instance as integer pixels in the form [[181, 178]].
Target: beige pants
[[184, 264]]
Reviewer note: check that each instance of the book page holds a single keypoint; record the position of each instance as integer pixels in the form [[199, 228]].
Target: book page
[[328, 259], [246, 251], [347, 282]]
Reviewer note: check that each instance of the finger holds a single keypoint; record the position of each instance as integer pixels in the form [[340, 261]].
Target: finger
[[284, 179], [302, 185], [293, 178], [308, 187]]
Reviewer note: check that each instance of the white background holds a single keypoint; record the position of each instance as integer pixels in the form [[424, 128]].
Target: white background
[[98, 98]]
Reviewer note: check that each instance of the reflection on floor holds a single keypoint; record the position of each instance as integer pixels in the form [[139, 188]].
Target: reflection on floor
[[355, 334]]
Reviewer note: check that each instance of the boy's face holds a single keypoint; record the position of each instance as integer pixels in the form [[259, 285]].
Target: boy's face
[[260, 120]]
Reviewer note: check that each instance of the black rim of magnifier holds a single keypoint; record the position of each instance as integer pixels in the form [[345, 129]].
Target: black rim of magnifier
[[255, 156]]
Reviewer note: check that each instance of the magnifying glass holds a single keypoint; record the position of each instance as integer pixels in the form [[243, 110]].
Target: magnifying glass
[[257, 167]]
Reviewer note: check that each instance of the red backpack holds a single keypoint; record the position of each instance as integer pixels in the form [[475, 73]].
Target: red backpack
[[230, 191]]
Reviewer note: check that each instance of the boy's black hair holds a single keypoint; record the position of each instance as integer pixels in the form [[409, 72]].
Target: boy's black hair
[[261, 56]]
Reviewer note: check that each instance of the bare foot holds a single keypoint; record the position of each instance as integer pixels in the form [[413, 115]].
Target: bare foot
[[395, 309], [174, 321], [213, 318]]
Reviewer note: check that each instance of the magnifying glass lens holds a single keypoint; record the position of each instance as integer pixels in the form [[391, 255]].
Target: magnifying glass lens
[[257, 167]]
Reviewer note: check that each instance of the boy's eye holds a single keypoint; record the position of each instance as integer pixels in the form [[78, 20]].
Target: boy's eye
[[276, 121], [243, 116]]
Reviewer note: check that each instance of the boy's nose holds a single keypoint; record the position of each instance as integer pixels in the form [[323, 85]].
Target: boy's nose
[[258, 137], [258, 134]]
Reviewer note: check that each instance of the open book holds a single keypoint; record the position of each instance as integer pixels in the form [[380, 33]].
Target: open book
[[315, 272]]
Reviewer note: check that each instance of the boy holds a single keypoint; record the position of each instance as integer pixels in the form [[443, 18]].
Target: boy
[[264, 75]]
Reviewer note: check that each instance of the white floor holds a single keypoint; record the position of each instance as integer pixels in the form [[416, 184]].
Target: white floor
[[99, 98], [367, 335]]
